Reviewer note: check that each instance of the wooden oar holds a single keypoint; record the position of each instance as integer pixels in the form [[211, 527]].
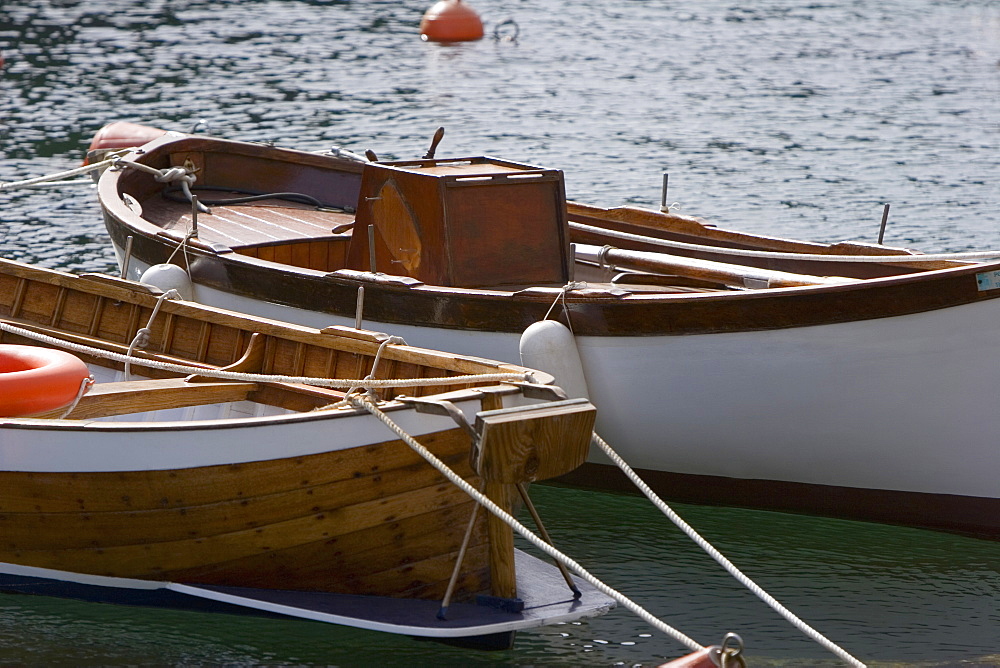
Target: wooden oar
[[719, 272]]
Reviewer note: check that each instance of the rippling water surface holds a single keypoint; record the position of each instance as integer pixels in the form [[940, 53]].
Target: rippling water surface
[[795, 118]]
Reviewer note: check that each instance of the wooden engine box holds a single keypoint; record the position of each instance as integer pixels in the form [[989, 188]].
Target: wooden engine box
[[469, 222]]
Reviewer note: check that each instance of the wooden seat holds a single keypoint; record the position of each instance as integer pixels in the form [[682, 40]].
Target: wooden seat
[[139, 396]]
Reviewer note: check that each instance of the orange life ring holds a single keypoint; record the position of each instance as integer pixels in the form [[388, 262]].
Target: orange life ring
[[34, 380]]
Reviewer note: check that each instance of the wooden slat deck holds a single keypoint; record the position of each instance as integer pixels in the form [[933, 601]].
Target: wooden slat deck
[[240, 225]]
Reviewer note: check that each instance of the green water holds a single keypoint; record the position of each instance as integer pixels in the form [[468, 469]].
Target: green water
[[891, 596]]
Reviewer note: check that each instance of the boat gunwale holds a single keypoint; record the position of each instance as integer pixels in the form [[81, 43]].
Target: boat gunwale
[[368, 343], [533, 307], [92, 425], [498, 310]]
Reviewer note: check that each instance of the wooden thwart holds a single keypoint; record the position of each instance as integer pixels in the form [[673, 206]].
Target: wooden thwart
[[137, 396]]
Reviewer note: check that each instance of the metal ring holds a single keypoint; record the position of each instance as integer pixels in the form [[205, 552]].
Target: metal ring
[[506, 38], [731, 656]]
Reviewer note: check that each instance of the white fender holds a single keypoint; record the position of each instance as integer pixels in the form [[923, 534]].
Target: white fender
[[169, 277], [549, 346]]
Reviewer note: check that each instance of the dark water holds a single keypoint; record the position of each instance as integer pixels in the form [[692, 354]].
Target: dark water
[[797, 118]]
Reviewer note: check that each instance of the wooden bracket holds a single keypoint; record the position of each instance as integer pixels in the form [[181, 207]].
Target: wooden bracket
[[530, 443]]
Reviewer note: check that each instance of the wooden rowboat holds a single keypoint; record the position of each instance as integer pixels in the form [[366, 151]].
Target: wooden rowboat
[[810, 380], [174, 486]]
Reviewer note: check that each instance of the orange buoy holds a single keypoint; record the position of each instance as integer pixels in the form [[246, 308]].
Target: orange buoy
[[700, 659], [451, 21], [34, 380], [122, 134]]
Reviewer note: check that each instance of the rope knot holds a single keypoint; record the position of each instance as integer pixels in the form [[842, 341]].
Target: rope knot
[[174, 174], [572, 285], [142, 337], [85, 385]]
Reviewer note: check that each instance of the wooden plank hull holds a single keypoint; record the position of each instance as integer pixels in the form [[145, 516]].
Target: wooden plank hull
[[377, 521], [880, 384], [237, 489]]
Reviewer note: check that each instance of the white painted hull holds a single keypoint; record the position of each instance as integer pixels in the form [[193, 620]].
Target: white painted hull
[[905, 403], [139, 445], [778, 380], [205, 435]]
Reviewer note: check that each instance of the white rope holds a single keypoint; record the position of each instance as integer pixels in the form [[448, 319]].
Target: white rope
[[120, 162], [572, 285], [721, 559], [141, 338], [84, 386], [28, 183], [264, 378], [60, 184], [378, 356], [364, 401], [176, 174], [774, 255], [182, 245]]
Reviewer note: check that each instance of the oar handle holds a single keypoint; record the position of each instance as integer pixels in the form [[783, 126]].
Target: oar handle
[[438, 136]]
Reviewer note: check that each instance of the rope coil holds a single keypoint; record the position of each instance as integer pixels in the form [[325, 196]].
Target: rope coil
[[177, 174]]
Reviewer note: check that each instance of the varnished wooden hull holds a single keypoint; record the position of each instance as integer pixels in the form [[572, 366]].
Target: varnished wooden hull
[[246, 488], [880, 385], [373, 520]]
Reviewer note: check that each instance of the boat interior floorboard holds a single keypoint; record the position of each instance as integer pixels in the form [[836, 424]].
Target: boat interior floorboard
[[251, 224]]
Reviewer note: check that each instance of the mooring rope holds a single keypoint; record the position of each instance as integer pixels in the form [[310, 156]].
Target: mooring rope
[[29, 183], [721, 558], [572, 285], [176, 174], [378, 358], [364, 401], [775, 255], [141, 338], [526, 377], [85, 385]]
